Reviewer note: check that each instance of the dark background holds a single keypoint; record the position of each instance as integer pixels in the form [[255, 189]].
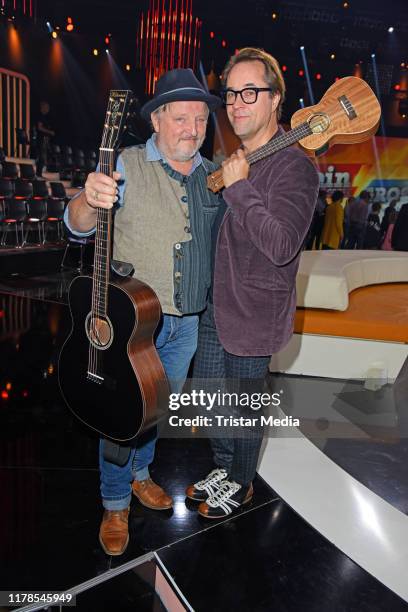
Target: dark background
[[78, 93]]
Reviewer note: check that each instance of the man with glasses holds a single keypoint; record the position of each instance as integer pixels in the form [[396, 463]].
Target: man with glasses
[[261, 229]]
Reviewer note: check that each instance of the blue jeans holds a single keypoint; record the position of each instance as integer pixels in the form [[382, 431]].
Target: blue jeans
[[176, 344]]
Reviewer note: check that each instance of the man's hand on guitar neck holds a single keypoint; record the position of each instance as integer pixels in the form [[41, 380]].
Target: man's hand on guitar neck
[[235, 168], [101, 191]]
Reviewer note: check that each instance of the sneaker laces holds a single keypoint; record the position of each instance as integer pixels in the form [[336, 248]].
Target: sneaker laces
[[221, 498], [210, 483]]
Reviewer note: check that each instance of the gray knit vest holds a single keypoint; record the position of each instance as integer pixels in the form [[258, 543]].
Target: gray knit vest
[[163, 229]]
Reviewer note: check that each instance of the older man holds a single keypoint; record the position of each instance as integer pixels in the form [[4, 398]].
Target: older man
[[162, 227], [261, 231]]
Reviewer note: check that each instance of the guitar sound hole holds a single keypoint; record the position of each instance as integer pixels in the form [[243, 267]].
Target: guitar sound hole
[[319, 123], [99, 331]]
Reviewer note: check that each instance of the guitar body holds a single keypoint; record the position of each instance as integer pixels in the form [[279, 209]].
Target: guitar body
[[348, 113], [109, 372]]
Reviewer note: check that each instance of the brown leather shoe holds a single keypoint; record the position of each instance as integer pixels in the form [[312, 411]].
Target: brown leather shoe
[[113, 533], [151, 495]]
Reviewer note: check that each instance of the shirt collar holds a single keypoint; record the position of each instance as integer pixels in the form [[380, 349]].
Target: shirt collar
[[154, 154]]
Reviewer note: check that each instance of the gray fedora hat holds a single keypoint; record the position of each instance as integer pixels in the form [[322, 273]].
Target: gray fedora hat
[[179, 85]]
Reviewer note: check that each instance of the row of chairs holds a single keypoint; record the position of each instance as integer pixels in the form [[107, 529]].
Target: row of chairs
[[12, 171], [31, 189], [70, 168], [26, 206]]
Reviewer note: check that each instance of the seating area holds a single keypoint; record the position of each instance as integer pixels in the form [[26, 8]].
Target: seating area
[[351, 316], [31, 209]]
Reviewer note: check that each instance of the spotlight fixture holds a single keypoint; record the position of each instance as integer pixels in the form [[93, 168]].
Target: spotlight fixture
[[333, 56], [212, 34], [224, 43], [107, 51], [95, 52], [274, 15], [301, 72], [345, 4], [318, 76], [302, 48], [127, 67], [54, 34], [373, 55], [397, 87], [107, 40], [284, 68], [70, 25], [390, 29]]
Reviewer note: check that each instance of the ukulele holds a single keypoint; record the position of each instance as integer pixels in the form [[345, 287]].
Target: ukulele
[[110, 374], [348, 113]]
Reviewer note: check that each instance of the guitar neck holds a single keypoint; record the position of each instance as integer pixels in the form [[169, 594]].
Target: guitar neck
[[215, 181], [103, 237]]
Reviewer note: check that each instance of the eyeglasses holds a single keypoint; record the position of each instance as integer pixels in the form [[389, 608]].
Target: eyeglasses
[[249, 95]]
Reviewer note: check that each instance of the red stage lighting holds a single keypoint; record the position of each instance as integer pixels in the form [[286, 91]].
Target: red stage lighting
[[397, 87], [212, 34], [224, 43], [284, 68], [107, 40], [301, 73], [318, 76]]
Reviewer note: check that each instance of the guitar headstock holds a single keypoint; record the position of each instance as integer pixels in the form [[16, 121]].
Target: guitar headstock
[[116, 118]]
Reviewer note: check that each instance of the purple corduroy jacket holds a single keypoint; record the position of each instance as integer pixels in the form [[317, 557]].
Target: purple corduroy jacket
[[258, 250]]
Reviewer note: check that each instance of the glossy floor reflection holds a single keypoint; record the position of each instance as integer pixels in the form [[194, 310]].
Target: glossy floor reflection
[[264, 558], [300, 571]]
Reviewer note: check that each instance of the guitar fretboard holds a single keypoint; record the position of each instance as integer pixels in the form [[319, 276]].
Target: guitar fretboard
[[280, 142], [102, 245]]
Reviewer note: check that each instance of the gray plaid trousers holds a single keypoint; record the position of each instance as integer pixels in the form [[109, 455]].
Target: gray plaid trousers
[[238, 452]]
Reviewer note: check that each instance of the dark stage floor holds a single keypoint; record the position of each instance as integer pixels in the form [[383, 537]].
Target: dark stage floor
[[265, 558]]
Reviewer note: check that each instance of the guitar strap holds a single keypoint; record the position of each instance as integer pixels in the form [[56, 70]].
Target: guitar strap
[[115, 453]]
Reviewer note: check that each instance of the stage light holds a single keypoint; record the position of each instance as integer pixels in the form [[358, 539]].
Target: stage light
[[345, 4], [274, 16], [212, 34], [70, 25], [224, 43], [107, 40], [95, 52], [373, 55], [4, 395], [8, 386], [333, 56], [397, 87], [301, 73], [107, 51], [127, 67], [390, 29], [49, 26], [284, 68], [402, 64], [318, 76], [54, 34], [302, 48]]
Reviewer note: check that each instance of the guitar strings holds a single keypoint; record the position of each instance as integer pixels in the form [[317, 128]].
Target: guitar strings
[[286, 139], [101, 268]]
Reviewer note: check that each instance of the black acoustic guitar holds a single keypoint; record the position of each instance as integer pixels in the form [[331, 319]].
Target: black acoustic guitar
[[109, 372]]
